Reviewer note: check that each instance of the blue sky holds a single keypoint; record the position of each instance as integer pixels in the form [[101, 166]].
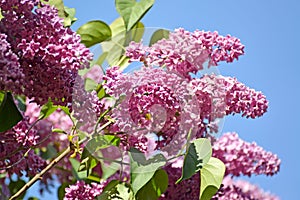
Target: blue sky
[[270, 31]]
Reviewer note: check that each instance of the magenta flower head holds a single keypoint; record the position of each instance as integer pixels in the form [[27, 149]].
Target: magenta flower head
[[152, 100], [46, 54], [243, 158], [81, 190], [186, 52]]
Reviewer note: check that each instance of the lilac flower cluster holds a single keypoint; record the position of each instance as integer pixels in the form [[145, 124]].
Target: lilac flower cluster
[[81, 190], [185, 52], [15, 153], [11, 75], [243, 190], [243, 158], [219, 96], [151, 100], [49, 55]]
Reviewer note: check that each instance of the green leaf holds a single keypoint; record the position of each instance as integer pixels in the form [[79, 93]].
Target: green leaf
[[212, 175], [47, 110], [142, 170], [155, 187], [69, 18], [158, 35], [61, 191], [1, 16], [75, 167], [33, 198], [9, 113], [199, 152], [132, 11], [116, 190], [15, 186], [50, 152], [102, 142], [94, 32]]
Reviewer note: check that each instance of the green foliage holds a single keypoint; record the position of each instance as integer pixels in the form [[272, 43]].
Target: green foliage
[[68, 14], [9, 113], [61, 191], [113, 49], [199, 152], [158, 35], [132, 11], [156, 186], [117, 190], [211, 177], [75, 170], [94, 32], [1, 16], [15, 186], [47, 110], [142, 170], [69, 18]]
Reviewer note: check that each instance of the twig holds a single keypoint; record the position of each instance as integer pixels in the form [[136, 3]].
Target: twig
[[39, 175]]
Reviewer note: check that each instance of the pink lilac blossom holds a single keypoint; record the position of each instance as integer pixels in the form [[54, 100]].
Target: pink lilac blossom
[[11, 76], [185, 52], [81, 190], [242, 190], [16, 156], [219, 96], [243, 158], [49, 55], [151, 100]]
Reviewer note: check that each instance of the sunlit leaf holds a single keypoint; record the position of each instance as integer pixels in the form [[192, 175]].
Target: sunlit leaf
[[212, 175], [199, 152], [154, 187], [132, 11], [117, 190], [94, 32], [142, 170], [158, 35]]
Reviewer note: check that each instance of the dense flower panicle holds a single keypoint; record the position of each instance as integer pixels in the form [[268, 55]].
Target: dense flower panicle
[[151, 100], [81, 190], [242, 190], [185, 52], [219, 96], [11, 76], [49, 54], [14, 144], [243, 158]]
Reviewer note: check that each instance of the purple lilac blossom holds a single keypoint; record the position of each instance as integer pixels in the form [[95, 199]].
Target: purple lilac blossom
[[185, 52], [49, 55], [81, 190], [243, 158], [242, 190], [14, 144], [152, 100]]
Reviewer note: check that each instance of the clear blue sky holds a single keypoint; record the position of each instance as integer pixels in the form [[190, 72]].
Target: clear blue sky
[[270, 30]]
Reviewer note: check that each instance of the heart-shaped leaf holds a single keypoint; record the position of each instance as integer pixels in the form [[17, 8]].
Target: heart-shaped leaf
[[132, 11], [212, 175], [198, 154], [94, 32], [156, 186]]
